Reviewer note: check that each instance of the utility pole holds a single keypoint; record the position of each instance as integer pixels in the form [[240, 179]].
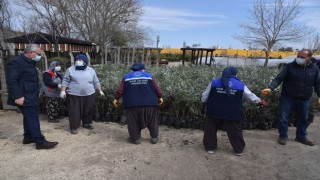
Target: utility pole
[[158, 40]]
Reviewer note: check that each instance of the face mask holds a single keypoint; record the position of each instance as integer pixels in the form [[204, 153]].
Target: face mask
[[57, 68], [300, 61], [37, 58], [79, 63]]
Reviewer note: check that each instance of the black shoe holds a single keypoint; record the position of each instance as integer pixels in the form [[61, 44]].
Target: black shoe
[[305, 141], [154, 140], [53, 121], [28, 141], [88, 126], [73, 131], [46, 145], [282, 141]]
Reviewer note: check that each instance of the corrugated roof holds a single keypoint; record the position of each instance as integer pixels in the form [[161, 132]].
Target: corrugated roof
[[43, 38]]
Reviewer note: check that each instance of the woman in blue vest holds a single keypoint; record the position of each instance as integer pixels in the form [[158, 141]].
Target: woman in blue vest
[[224, 109], [141, 96], [51, 87]]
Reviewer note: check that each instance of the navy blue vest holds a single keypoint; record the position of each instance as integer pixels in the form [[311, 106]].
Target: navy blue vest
[[139, 90], [222, 106]]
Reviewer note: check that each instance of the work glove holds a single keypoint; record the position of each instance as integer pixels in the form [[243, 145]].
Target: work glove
[[262, 103], [266, 91], [160, 101], [101, 93], [63, 94], [116, 103]]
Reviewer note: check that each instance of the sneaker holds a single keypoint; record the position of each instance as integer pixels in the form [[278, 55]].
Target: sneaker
[[73, 131], [137, 141], [238, 154], [154, 140], [305, 141], [211, 151], [88, 126], [282, 141]]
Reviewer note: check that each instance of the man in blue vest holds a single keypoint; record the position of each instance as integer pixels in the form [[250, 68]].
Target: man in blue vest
[[298, 79], [141, 97], [224, 109]]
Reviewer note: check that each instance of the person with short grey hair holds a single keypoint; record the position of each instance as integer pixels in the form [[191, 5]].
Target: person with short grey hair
[[23, 91]]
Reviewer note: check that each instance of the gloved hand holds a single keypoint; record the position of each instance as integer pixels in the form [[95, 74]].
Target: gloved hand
[[160, 101], [59, 86], [101, 93], [116, 103], [266, 91], [63, 94]]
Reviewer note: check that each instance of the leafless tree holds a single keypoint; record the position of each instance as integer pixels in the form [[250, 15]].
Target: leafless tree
[[272, 22], [314, 42]]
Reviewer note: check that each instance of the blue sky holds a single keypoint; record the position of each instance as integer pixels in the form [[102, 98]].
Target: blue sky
[[209, 22]]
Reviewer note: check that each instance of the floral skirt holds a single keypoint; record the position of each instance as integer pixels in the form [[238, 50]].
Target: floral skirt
[[54, 105]]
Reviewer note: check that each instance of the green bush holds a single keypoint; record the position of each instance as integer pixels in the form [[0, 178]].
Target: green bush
[[182, 87]]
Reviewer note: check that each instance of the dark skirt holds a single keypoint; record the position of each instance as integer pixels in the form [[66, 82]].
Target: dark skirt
[[54, 105]]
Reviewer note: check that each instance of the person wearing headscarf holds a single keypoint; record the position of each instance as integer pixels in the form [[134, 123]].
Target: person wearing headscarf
[[81, 82], [141, 98], [52, 80], [224, 110]]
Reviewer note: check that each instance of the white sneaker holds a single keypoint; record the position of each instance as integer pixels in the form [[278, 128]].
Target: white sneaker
[[210, 152], [238, 154]]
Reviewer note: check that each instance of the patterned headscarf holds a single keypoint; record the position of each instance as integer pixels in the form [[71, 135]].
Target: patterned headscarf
[[53, 64], [227, 73]]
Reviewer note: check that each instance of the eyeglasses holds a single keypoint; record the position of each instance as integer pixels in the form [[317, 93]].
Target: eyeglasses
[[302, 57], [37, 53]]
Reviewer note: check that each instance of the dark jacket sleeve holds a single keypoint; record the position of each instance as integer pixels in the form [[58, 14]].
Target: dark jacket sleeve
[[279, 78], [119, 91], [317, 85], [14, 72], [157, 87], [47, 80]]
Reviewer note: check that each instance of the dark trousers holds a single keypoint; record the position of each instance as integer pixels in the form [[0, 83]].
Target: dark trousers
[[31, 123], [233, 129], [80, 108], [139, 118]]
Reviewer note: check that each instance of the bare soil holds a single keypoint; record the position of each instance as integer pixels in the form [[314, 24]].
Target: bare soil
[[105, 153]]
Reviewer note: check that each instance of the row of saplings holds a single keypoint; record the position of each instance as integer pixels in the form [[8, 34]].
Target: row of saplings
[[255, 117]]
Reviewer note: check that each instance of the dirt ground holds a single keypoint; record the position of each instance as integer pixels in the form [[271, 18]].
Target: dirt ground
[[105, 153]]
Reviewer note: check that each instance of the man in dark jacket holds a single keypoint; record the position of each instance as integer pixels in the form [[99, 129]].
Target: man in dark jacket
[[23, 88], [298, 79], [141, 96]]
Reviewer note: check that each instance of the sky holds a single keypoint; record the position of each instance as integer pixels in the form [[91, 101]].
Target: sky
[[210, 23]]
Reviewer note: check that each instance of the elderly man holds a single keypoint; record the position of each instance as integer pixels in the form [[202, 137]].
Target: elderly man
[[23, 87], [298, 79]]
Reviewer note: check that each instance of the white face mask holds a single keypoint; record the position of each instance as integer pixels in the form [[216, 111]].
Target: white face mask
[[79, 63], [300, 61], [57, 68], [37, 58]]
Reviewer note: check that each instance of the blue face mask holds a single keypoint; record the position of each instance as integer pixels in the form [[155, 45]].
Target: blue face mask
[[300, 61], [37, 58]]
